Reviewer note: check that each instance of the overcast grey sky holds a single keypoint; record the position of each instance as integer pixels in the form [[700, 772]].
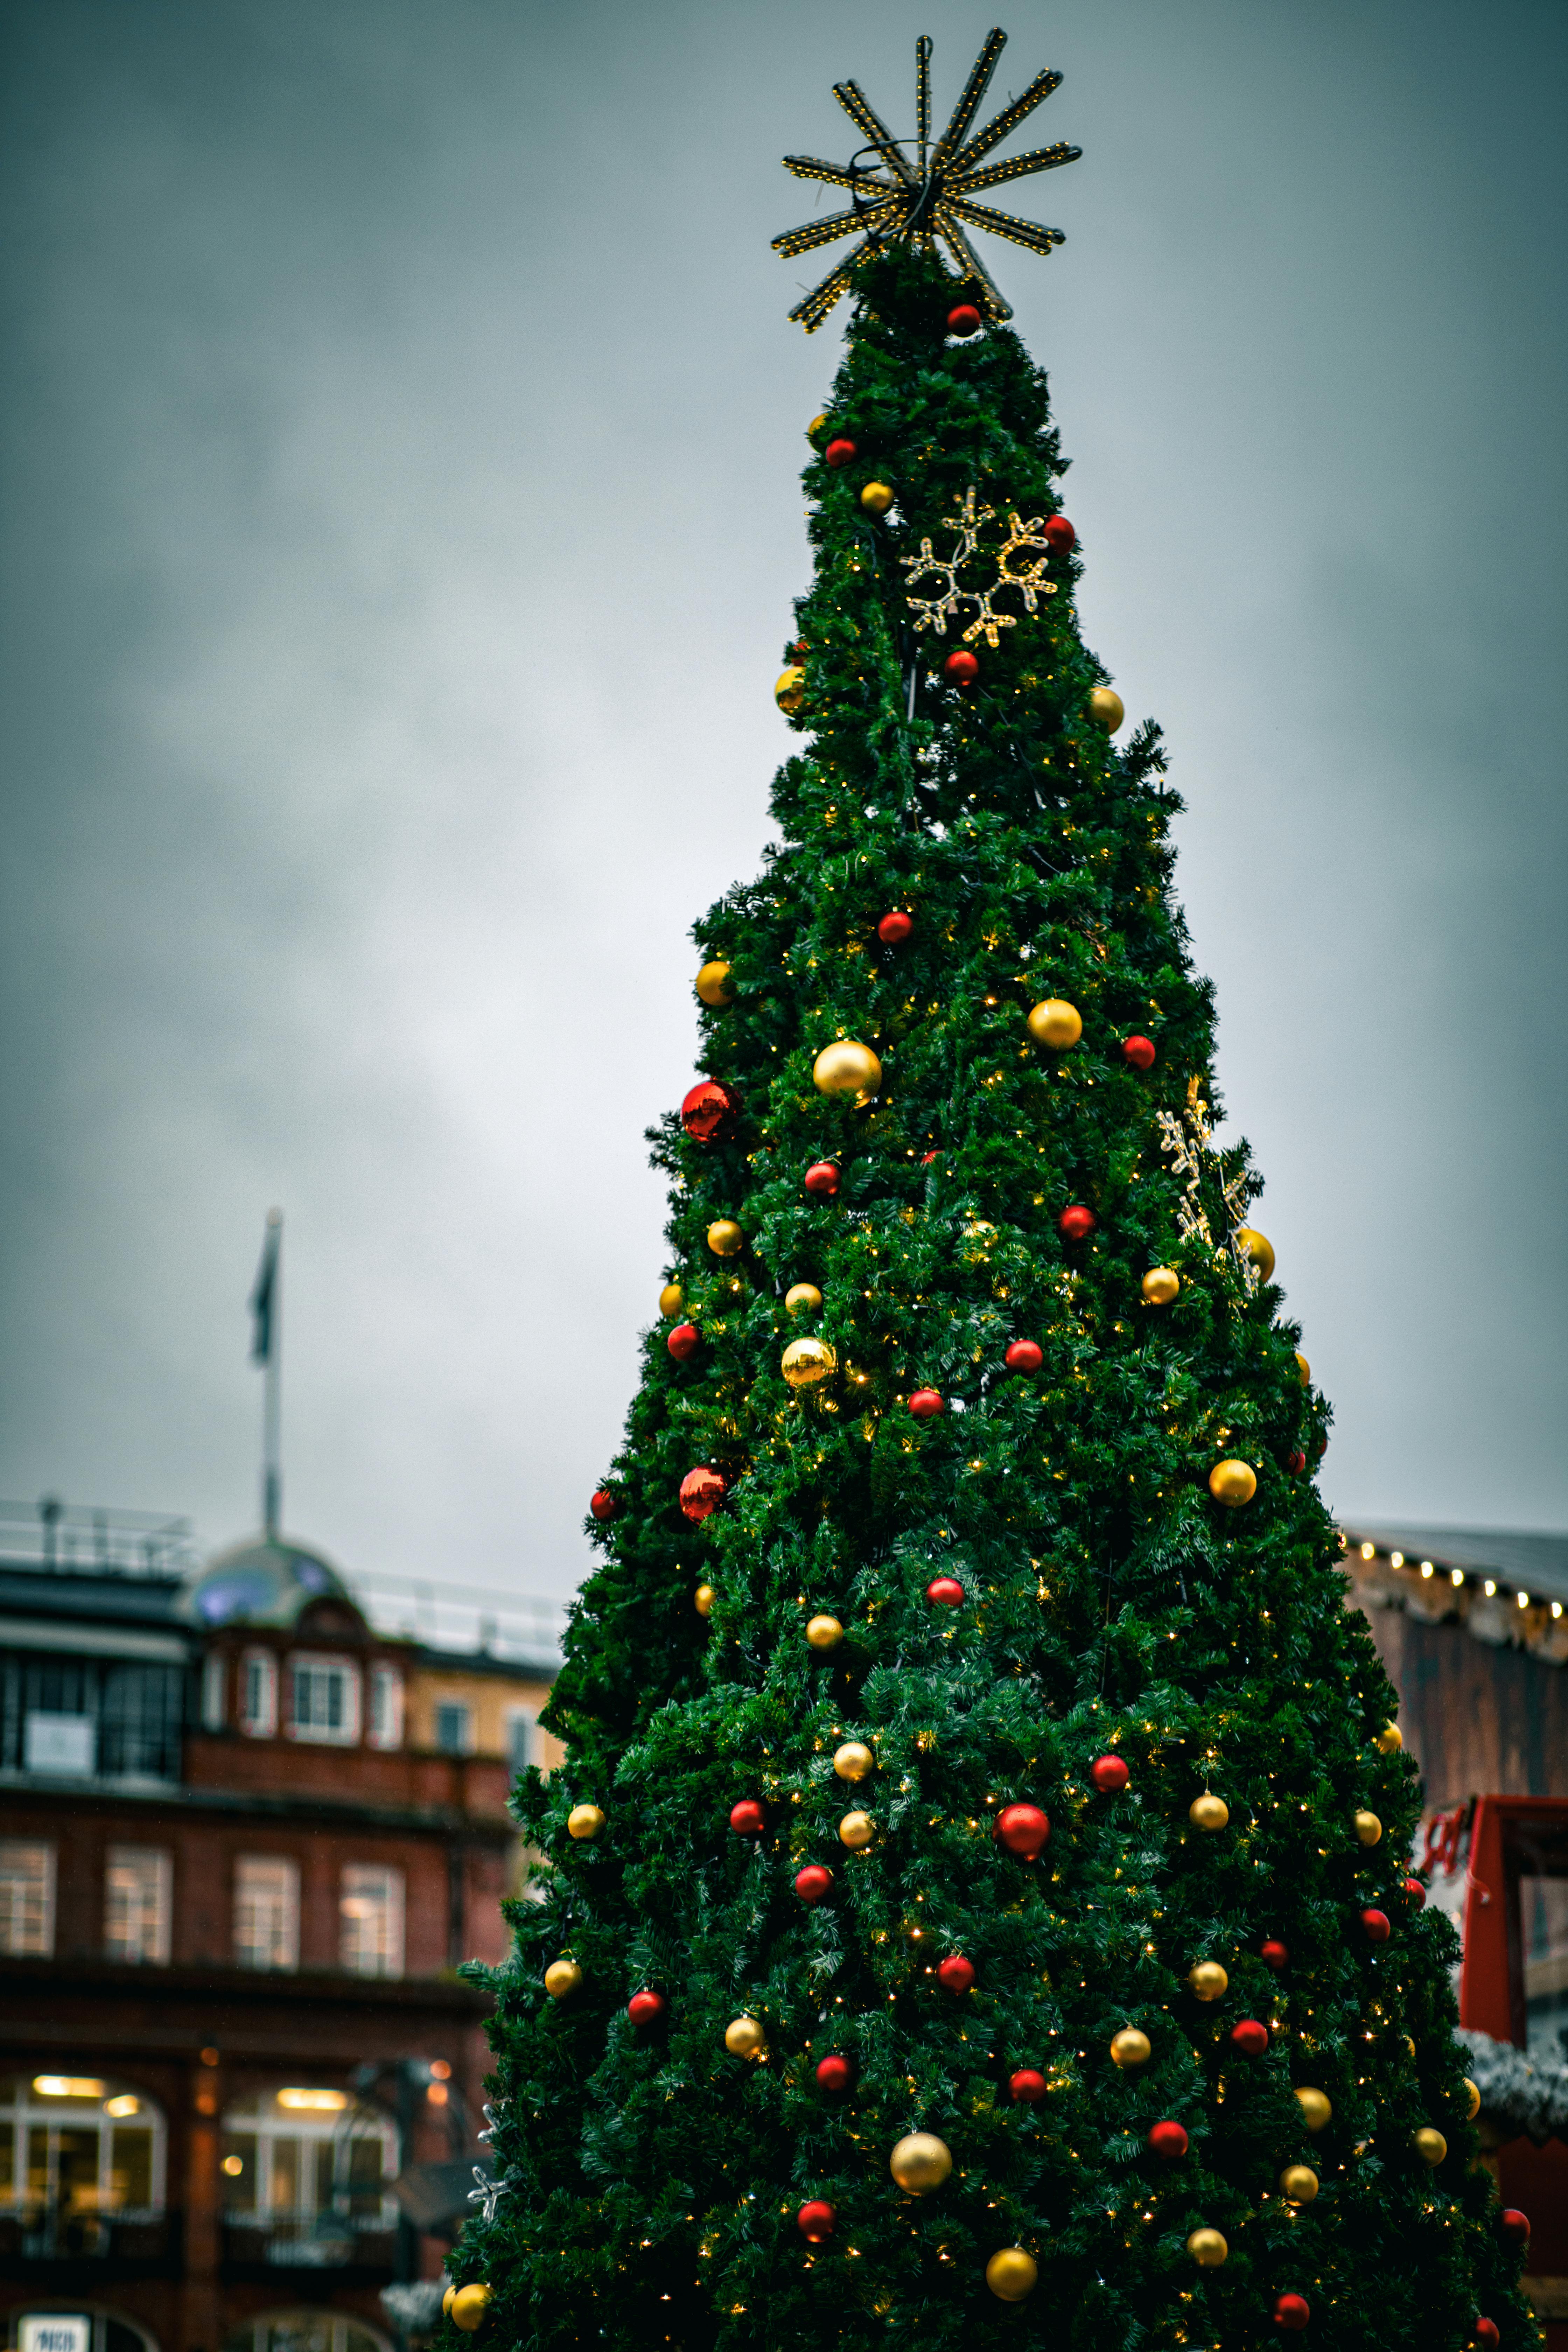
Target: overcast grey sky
[[402, 430]]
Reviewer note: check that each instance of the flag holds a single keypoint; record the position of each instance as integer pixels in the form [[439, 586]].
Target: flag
[[262, 1296]]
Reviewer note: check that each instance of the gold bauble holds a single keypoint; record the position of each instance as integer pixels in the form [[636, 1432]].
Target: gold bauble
[[1368, 1828], [824, 1633], [789, 691], [446, 2299], [802, 1297], [847, 1068], [1209, 1812], [1305, 1369], [1390, 1739], [1160, 1285], [1257, 1248], [1472, 2100], [1131, 2048], [725, 1238], [875, 498], [1207, 2249], [702, 1599], [857, 1829], [807, 1363], [671, 1298], [815, 427], [920, 2162], [1410, 2045], [469, 2306], [1207, 1980], [1430, 2146], [1299, 2182], [1056, 1023], [1315, 2107], [1107, 708], [854, 1761], [744, 2038], [584, 1821], [1233, 1483], [713, 984], [1011, 2273], [561, 1978]]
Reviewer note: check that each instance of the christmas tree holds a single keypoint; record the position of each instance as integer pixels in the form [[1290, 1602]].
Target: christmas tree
[[976, 1894]]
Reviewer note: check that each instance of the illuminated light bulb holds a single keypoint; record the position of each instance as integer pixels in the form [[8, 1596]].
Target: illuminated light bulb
[[1369, 1551], [1455, 1576], [1523, 1599], [1489, 1588], [1425, 1567], [1397, 1559]]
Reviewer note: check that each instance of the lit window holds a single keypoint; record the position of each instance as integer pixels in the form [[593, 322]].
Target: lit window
[[26, 1899], [387, 1707], [324, 1700], [215, 1678], [88, 2150], [137, 1908], [266, 1911], [304, 2153], [519, 1723], [370, 1920], [454, 1727], [258, 1694]]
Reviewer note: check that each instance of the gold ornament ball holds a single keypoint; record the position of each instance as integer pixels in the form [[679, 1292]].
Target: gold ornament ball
[[1368, 1828], [469, 2306], [713, 984], [1056, 1023], [920, 2162], [671, 1298], [446, 2299], [1107, 708], [1131, 2048], [789, 691], [1207, 2249], [1316, 2108], [806, 1363], [857, 1829], [725, 1238], [1472, 2100], [1257, 1248], [824, 1633], [1298, 2183], [562, 1978], [702, 1599], [1207, 1980], [1410, 2045], [744, 2038], [1233, 1483], [815, 427], [1011, 2273], [1209, 1812], [875, 498], [585, 1822], [1430, 2146], [847, 1068], [854, 1761], [1305, 1369], [1390, 1739], [802, 1298], [1160, 1285]]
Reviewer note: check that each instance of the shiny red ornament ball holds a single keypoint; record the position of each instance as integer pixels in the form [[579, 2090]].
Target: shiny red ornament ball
[[708, 1111], [1292, 2312], [1074, 1224], [747, 1819], [894, 928], [812, 1883], [1139, 1050], [645, 2008], [822, 1178], [1025, 1356], [1109, 1774], [945, 1588], [838, 453], [1023, 1830], [1027, 2086], [1296, 1463], [927, 1157], [1060, 533], [701, 1491], [964, 319], [1168, 2138], [814, 2220], [1514, 2224], [683, 1341], [955, 1973], [1487, 2332], [1250, 2036], [925, 1404], [604, 1505], [1414, 1893], [1274, 1955], [833, 2073], [961, 668], [1376, 1925]]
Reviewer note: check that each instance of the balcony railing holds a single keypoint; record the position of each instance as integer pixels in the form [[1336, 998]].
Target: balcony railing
[[311, 2240], [51, 2233]]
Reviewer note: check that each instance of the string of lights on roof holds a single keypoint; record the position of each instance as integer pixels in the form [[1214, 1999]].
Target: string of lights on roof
[[1459, 1578]]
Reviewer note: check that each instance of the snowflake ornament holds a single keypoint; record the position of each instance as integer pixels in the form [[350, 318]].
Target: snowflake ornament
[[1018, 562]]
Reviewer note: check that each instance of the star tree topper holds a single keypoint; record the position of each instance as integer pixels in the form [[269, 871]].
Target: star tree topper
[[927, 201]]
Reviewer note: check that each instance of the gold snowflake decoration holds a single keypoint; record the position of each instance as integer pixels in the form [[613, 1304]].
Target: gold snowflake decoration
[[1020, 563], [926, 200]]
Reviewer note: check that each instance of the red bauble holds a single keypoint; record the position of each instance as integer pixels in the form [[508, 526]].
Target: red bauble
[[708, 1111], [964, 319], [1274, 1955], [812, 1883], [927, 1157], [1376, 1925], [605, 1504], [833, 2073], [1074, 1224], [1292, 2312], [1297, 1463], [1109, 1774], [814, 2220], [1168, 2138], [822, 1178], [701, 1491], [945, 1588], [1487, 2332], [925, 1404], [1025, 1356], [1250, 2036], [838, 453], [683, 1341], [1514, 2224], [747, 1819], [894, 928], [1027, 2086], [961, 668], [645, 2008], [955, 1973], [1139, 1050], [1023, 1830], [1060, 533], [1414, 1893]]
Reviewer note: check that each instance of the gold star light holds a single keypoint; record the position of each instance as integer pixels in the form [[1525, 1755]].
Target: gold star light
[[926, 200]]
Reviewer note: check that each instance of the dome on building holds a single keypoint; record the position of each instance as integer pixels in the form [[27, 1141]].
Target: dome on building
[[267, 1580]]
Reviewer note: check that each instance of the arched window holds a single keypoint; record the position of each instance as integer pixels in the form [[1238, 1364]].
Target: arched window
[[86, 2326], [305, 2331], [308, 2162], [81, 2166]]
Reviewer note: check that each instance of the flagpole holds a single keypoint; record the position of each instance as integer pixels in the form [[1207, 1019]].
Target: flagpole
[[273, 1383]]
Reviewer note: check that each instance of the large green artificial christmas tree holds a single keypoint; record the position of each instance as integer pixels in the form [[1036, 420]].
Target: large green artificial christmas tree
[[974, 1899]]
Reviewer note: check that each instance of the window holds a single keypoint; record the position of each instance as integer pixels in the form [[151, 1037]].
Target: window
[[88, 1718], [370, 1920], [137, 1909], [26, 1899], [303, 2331], [324, 1700], [387, 1707], [304, 2152], [266, 1911], [453, 1727], [519, 1723], [73, 2151], [215, 1678], [258, 1694]]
